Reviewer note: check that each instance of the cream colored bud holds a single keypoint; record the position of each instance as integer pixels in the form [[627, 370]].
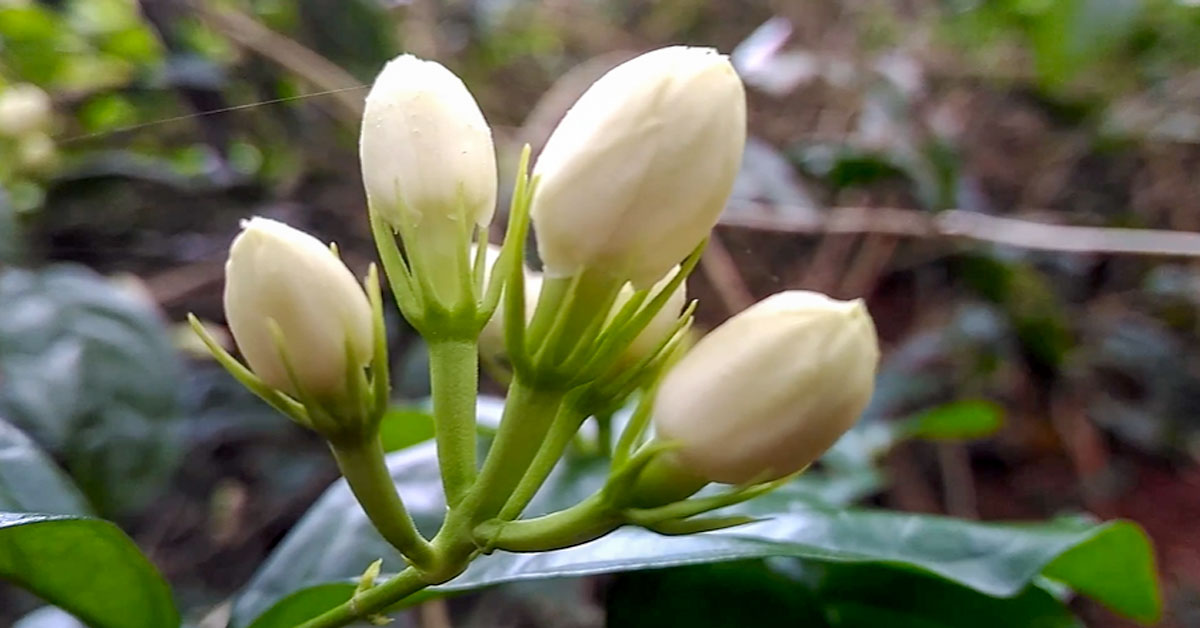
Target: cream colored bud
[[428, 164], [639, 169], [767, 392], [277, 273], [24, 109]]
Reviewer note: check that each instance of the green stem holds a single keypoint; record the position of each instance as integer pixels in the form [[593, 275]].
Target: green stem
[[454, 380], [604, 433], [528, 415], [370, 602], [586, 521], [366, 472], [565, 425]]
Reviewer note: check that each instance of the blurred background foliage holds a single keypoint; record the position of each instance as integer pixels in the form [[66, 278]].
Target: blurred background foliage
[[894, 146]]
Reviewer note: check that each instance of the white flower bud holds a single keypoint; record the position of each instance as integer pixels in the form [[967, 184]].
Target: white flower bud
[[278, 273], [767, 392], [428, 164], [639, 169], [24, 109]]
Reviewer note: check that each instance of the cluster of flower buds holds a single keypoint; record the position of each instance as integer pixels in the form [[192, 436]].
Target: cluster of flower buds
[[622, 199]]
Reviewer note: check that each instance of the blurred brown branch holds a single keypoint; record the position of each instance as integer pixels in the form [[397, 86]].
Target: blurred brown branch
[[959, 224], [313, 68]]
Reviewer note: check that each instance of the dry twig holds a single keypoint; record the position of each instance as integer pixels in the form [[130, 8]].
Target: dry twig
[[959, 224]]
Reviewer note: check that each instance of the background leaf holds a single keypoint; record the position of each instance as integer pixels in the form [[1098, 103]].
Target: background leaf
[[334, 542], [963, 420], [29, 479], [90, 374], [87, 567]]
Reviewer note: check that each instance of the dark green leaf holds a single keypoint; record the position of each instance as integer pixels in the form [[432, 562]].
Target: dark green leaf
[[87, 567], [90, 373], [1128, 586], [733, 595], [864, 595], [305, 604], [30, 481], [334, 542]]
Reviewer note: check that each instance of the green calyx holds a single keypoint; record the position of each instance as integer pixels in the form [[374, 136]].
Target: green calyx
[[350, 414]]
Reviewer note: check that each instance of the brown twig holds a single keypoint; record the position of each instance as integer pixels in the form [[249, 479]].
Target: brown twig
[[959, 224], [869, 264], [434, 614], [721, 271], [958, 480], [313, 68], [828, 262]]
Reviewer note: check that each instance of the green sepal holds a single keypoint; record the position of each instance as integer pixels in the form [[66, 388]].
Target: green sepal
[[677, 527], [647, 517], [380, 377], [318, 416], [635, 428], [281, 402], [404, 289]]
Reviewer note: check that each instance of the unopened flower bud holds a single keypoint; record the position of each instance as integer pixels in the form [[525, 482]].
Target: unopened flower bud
[[24, 109], [277, 273], [639, 169], [428, 165], [767, 392]]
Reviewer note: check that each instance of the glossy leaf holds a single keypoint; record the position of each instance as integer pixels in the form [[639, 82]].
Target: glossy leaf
[[29, 479], [862, 595], [89, 373], [788, 593], [719, 595], [87, 567], [334, 542]]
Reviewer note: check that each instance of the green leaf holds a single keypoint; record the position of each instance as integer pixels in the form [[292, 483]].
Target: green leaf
[[962, 420], [334, 543], [720, 595], [29, 479], [87, 567], [789, 592], [304, 604], [90, 373], [405, 427], [868, 595], [1128, 586]]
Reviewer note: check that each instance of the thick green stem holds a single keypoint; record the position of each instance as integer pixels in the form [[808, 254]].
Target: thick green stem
[[557, 439], [604, 433], [370, 602], [528, 415], [454, 379], [367, 474], [588, 520]]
